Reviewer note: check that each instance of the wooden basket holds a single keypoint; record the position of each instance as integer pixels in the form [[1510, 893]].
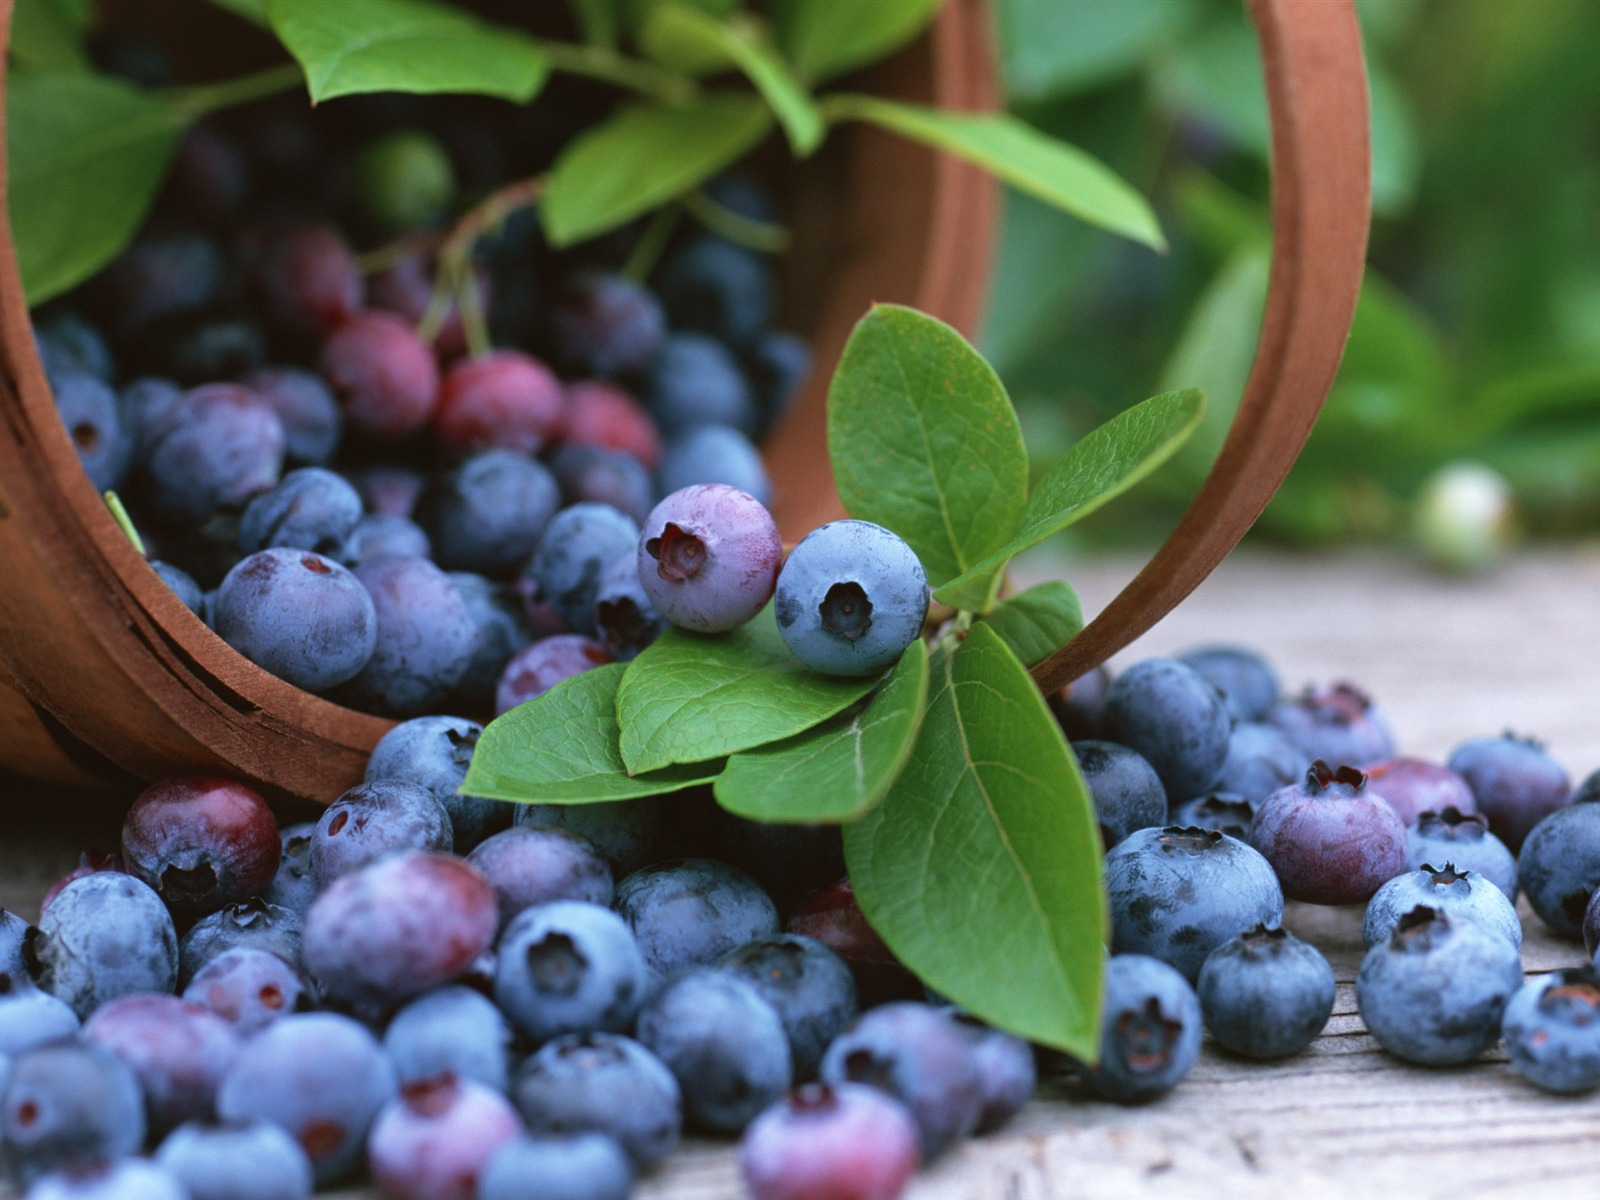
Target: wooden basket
[[107, 679]]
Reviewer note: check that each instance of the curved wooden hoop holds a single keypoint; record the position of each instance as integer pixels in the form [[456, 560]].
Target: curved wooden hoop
[[1321, 172]]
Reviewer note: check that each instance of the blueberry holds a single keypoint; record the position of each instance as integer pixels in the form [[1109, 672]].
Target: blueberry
[[1176, 894], [433, 1141], [920, 1056], [833, 917], [1516, 782], [1463, 839], [1460, 895], [604, 416], [1172, 715], [308, 509], [1412, 786], [568, 967], [30, 1016], [119, 1179], [693, 911], [1266, 993], [1080, 707], [213, 447], [140, 405], [577, 545], [1125, 788], [778, 363], [1246, 680], [300, 615], [201, 842], [1006, 1070], [1261, 759], [378, 534], [809, 987], [1339, 724], [586, 1166], [605, 325], [386, 379], [789, 861], [1329, 839], [502, 630], [450, 1031], [375, 819], [1150, 1031], [250, 988], [625, 620], [15, 934], [177, 1051], [293, 886], [434, 753], [68, 1104], [105, 935], [321, 1077], [1558, 868], [195, 348], [823, 1141], [243, 1160], [389, 488], [309, 280], [158, 275], [1226, 812], [88, 408], [1551, 1028], [713, 454], [695, 380], [850, 598], [602, 1083], [722, 1041], [183, 585], [529, 865], [592, 475], [713, 286], [306, 407], [539, 666], [489, 513], [404, 179], [69, 344], [622, 831], [1435, 991], [424, 641], [396, 927], [708, 557], [251, 923]]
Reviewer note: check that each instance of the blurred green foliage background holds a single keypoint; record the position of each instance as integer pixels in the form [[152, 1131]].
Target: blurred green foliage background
[[1477, 336]]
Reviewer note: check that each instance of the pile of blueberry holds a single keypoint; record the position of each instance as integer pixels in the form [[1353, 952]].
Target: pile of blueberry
[[408, 487]]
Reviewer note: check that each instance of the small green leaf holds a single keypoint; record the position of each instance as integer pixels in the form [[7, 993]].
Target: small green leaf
[[1014, 151], [1106, 463], [642, 157], [923, 440], [686, 38], [1050, 50], [824, 38], [254, 11], [562, 749], [981, 868], [355, 46], [47, 35], [87, 153], [689, 697], [842, 768], [1037, 622]]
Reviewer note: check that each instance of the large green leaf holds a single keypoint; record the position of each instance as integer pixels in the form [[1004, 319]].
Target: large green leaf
[[561, 748], [687, 38], [1014, 151], [1037, 622], [839, 770], [1103, 465], [981, 868], [352, 46], [87, 154], [47, 35], [824, 38], [689, 697], [1050, 49], [642, 157], [923, 440]]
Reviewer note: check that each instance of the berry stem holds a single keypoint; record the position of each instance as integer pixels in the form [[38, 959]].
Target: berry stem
[[652, 244], [735, 226], [197, 101]]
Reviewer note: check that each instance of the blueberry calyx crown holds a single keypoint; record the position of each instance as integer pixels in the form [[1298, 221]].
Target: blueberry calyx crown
[[813, 1098], [1341, 704], [1520, 739], [431, 1096], [1321, 777], [620, 621], [1456, 824], [556, 965], [1191, 839], [1417, 929], [1575, 991], [1146, 1036], [846, 611], [679, 554], [1263, 940], [188, 884], [1446, 875]]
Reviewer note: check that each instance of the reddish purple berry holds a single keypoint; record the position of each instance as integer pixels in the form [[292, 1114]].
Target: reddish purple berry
[[531, 865], [844, 1142], [202, 842], [386, 379], [1516, 781], [178, 1051], [1339, 724], [539, 666], [503, 400], [433, 1142], [310, 280], [709, 557], [602, 414], [1330, 840], [1413, 786]]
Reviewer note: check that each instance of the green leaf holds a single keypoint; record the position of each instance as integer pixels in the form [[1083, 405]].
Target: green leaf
[[923, 440], [981, 868], [599, 20], [643, 156], [254, 11], [47, 35], [1037, 622], [562, 749], [1103, 465], [1020, 155], [355, 46], [689, 697], [87, 154], [842, 768], [684, 37], [1052, 49], [824, 38]]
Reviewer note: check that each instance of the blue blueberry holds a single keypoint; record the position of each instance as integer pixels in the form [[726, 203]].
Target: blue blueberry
[[299, 615], [622, 831], [453, 1031], [294, 886], [723, 1043], [1172, 715], [585, 1166], [595, 475], [1338, 724], [1551, 1028], [195, 348], [708, 557], [789, 861], [67, 343], [140, 405], [15, 933], [713, 286], [1246, 680], [1007, 1072], [713, 454], [250, 988], [1515, 780], [119, 1179], [68, 1104], [602, 1083], [489, 513], [434, 753], [382, 534], [808, 985], [1435, 991], [1459, 895], [1261, 759], [578, 544], [306, 406], [1080, 707], [88, 409], [372, 820], [693, 911], [183, 586], [778, 363], [177, 1051], [103, 936], [850, 598], [236, 1160], [605, 325], [254, 923], [1176, 894], [1226, 812], [1558, 867], [1150, 1031], [502, 630], [695, 380], [529, 865], [1266, 993], [425, 638], [1125, 788], [213, 447], [308, 509], [624, 619], [569, 967], [30, 1016], [1463, 839]]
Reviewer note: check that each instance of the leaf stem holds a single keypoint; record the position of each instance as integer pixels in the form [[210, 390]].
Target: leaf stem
[[609, 66], [652, 244], [123, 520], [735, 226], [197, 101]]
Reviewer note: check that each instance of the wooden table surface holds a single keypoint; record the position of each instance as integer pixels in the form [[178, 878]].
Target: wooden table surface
[[1448, 660]]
